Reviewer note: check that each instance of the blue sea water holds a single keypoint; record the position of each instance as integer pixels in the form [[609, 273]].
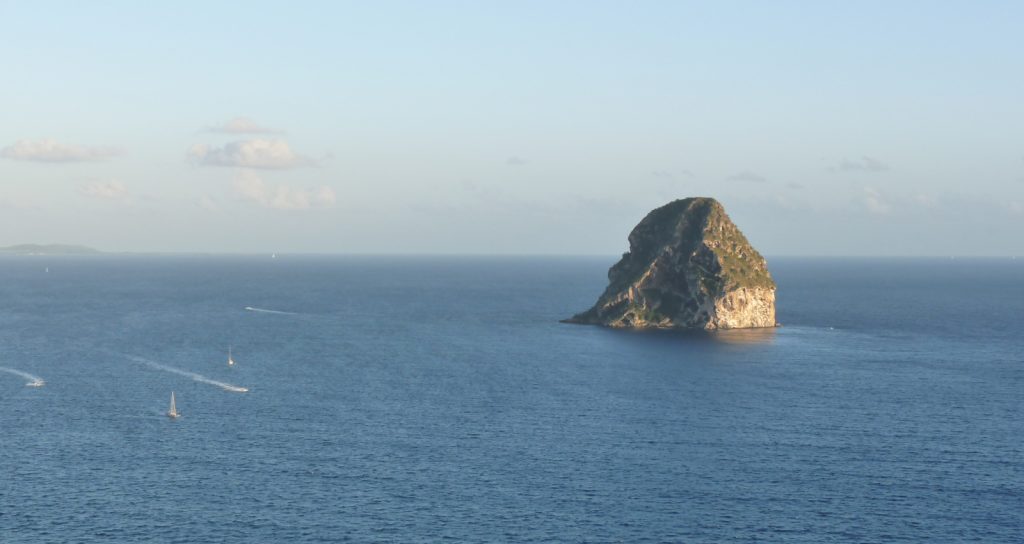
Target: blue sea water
[[426, 399]]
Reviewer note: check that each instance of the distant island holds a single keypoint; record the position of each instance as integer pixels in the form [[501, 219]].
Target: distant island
[[48, 249], [688, 267]]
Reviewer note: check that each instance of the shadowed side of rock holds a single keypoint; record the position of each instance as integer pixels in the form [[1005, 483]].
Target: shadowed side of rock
[[688, 266]]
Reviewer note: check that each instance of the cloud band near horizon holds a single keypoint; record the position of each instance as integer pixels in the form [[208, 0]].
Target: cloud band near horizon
[[261, 154], [49, 150]]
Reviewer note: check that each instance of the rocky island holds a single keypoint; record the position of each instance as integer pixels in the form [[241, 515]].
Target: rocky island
[[688, 266]]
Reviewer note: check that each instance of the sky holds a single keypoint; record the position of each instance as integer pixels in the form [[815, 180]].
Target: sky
[[526, 127]]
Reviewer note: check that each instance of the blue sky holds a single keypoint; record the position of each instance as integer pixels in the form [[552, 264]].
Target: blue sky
[[826, 128]]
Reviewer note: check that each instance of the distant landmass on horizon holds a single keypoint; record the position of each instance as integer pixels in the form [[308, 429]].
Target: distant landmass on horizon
[[48, 249]]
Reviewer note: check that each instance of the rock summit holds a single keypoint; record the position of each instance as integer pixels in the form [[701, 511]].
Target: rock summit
[[688, 266]]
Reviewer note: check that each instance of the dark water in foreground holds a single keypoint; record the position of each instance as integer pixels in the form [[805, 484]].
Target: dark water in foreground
[[429, 399]]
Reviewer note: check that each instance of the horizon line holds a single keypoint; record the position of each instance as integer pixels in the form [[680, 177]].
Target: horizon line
[[98, 252]]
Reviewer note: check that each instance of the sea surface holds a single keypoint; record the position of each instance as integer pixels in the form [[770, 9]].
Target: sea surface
[[429, 399]]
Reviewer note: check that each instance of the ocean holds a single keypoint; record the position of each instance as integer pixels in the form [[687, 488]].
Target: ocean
[[427, 399]]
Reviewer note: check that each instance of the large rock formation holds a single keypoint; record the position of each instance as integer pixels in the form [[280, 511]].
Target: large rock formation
[[688, 266]]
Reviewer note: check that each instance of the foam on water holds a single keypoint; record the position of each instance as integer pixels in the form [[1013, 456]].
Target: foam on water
[[266, 311], [33, 381], [197, 377]]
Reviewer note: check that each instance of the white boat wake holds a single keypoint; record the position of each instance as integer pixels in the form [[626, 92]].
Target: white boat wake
[[187, 374], [33, 381], [266, 311]]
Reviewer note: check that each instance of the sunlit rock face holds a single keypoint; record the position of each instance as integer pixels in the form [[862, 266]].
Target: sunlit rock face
[[688, 266]]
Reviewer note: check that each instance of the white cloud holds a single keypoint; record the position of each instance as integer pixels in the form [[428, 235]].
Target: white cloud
[[14, 203], [207, 203], [48, 150], [784, 203], [264, 154], [252, 188], [926, 201], [665, 174], [874, 202], [863, 164], [1016, 208], [242, 125], [109, 190], [325, 196], [747, 175]]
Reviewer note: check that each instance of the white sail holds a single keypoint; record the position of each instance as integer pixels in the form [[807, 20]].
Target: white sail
[[173, 411]]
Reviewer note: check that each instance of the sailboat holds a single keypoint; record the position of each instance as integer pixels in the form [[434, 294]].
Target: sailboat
[[231, 362], [172, 412]]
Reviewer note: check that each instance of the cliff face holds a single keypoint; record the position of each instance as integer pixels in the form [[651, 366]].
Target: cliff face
[[688, 266]]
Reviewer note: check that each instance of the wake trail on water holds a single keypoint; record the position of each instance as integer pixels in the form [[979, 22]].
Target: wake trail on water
[[33, 381], [197, 377], [266, 311]]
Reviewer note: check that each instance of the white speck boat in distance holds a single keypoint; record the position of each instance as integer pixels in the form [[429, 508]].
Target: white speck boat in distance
[[172, 412], [231, 362]]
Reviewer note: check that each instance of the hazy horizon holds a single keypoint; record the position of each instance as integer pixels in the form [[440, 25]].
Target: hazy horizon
[[826, 129], [613, 256]]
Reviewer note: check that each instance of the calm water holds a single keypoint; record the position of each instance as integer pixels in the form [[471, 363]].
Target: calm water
[[429, 399]]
